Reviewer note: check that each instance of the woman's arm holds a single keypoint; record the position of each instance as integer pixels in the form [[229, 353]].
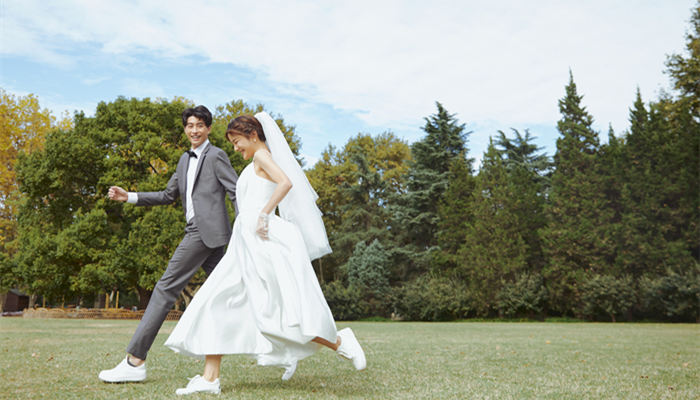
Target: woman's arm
[[263, 161]]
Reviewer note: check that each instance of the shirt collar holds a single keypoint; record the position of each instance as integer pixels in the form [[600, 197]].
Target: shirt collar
[[199, 150]]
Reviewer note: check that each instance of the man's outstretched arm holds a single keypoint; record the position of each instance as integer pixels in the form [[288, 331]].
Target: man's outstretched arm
[[167, 196]]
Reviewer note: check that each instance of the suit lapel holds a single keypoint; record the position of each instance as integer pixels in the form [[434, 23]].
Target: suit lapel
[[182, 174], [199, 165]]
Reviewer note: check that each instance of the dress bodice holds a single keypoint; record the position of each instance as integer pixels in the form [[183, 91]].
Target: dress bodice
[[253, 191]]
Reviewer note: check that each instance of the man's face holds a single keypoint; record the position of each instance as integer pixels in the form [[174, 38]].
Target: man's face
[[197, 131]]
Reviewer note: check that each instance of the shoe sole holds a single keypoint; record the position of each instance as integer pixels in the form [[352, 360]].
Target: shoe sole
[[197, 391], [128, 380]]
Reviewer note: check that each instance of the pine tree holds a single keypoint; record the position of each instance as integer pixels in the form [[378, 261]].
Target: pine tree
[[454, 215], [494, 249], [684, 140], [522, 152], [642, 248], [415, 211], [529, 171], [367, 269], [571, 239]]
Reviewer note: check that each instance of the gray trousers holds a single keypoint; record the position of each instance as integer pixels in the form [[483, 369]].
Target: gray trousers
[[189, 255]]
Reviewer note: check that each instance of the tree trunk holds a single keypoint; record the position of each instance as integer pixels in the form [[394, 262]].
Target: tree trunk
[[320, 269], [144, 297], [99, 300], [188, 293]]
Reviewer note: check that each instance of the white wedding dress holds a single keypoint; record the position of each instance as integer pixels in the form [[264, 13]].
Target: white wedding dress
[[263, 298]]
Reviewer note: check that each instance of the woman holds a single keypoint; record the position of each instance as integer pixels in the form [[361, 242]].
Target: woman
[[263, 298]]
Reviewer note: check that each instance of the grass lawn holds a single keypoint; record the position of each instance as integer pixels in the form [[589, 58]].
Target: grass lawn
[[60, 359]]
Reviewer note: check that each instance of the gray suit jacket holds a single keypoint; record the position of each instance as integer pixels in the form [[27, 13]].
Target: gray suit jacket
[[213, 180]]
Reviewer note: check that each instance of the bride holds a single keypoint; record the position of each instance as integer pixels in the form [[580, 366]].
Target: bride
[[263, 298]]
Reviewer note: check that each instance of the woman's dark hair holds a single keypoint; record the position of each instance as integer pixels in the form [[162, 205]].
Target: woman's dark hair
[[245, 125], [199, 112]]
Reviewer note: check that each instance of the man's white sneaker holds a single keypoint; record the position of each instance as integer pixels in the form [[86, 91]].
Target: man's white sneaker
[[350, 348], [124, 373], [200, 385]]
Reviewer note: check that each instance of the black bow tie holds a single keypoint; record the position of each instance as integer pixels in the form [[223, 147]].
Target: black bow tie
[[192, 153]]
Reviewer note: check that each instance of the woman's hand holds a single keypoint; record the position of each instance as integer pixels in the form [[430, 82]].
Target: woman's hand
[[263, 225]]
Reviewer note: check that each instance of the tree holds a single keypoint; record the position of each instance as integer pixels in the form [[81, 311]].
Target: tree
[[415, 209], [522, 152], [130, 142], [226, 113], [367, 271], [494, 248], [364, 217], [571, 241], [23, 126], [530, 172], [354, 186], [685, 70], [454, 215], [85, 242], [683, 122]]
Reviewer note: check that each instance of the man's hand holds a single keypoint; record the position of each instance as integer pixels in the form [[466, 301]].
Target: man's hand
[[117, 193]]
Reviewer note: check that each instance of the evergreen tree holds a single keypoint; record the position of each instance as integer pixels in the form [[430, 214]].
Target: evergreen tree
[[522, 152], [530, 171], [685, 70], [454, 215], [642, 246], [572, 243], [683, 117], [367, 269], [494, 248], [415, 211]]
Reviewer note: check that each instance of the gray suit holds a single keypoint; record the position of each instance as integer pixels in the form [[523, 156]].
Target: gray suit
[[205, 235]]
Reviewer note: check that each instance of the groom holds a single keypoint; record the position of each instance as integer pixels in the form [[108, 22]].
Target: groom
[[202, 179]]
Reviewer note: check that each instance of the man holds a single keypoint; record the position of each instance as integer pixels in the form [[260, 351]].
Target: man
[[202, 179]]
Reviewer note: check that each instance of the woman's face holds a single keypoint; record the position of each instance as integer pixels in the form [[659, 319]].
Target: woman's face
[[243, 145]]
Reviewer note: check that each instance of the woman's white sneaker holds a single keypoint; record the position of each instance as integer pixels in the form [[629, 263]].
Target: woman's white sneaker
[[200, 385], [350, 348]]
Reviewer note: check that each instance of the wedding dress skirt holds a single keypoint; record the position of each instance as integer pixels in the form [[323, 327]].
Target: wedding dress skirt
[[263, 298]]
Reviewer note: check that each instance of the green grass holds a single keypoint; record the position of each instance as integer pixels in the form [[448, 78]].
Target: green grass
[[60, 359]]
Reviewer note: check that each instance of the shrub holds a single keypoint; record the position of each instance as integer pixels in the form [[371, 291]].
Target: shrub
[[430, 298], [367, 268], [524, 297], [346, 303], [675, 295], [607, 295]]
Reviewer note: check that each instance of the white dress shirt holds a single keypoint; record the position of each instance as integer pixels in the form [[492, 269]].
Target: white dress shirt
[[191, 171]]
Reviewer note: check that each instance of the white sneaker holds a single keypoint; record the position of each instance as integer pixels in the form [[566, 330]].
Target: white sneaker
[[124, 373], [200, 385], [350, 348], [289, 371]]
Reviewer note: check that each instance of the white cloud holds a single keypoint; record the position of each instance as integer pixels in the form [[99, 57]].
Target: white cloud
[[388, 61], [141, 88]]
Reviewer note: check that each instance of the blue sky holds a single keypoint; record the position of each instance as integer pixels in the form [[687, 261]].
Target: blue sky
[[334, 69]]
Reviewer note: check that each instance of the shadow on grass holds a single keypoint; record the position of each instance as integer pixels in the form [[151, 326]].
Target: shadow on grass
[[342, 384]]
